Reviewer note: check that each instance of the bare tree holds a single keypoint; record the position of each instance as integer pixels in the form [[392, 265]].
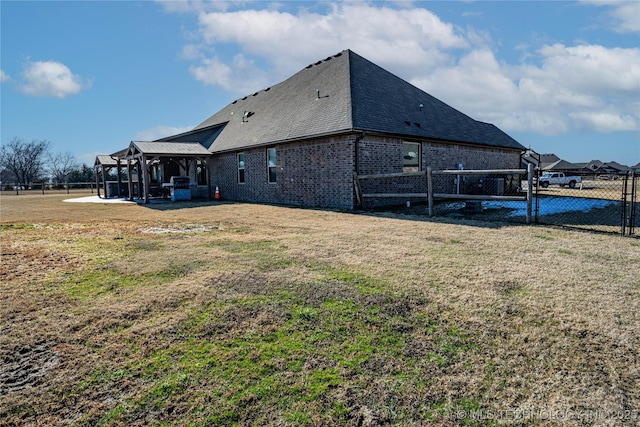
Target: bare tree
[[23, 160], [61, 165]]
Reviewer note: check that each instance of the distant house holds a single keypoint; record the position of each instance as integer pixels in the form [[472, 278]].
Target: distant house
[[548, 159], [561, 166], [540, 161], [613, 168], [592, 166], [301, 141], [553, 163]]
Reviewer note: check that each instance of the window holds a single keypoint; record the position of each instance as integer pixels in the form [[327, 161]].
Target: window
[[271, 164], [201, 172], [411, 157], [241, 168]]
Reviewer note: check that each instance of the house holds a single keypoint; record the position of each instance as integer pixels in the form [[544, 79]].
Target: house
[[592, 166], [613, 168], [561, 166], [300, 142]]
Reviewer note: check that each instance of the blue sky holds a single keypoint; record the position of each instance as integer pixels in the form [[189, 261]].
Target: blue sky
[[90, 76]]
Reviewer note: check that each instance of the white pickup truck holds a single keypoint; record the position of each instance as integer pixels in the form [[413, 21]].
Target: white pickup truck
[[558, 178]]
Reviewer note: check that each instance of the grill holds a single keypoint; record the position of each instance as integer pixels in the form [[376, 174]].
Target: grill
[[180, 188], [180, 182]]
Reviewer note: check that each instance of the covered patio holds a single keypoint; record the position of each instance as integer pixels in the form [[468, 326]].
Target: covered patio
[[103, 166], [154, 164]]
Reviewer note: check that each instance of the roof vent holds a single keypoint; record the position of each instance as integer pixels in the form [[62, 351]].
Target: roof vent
[[234, 101], [416, 124], [267, 89], [309, 66], [244, 98], [328, 59], [318, 63], [245, 115], [407, 122], [255, 94], [337, 55]]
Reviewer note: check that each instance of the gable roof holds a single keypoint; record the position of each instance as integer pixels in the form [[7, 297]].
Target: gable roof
[[203, 136], [105, 161], [345, 93], [166, 149], [593, 165], [561, 165], [615, 166]]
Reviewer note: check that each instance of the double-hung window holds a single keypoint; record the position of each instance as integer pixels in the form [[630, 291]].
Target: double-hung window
[[271, 165], [411, 157]]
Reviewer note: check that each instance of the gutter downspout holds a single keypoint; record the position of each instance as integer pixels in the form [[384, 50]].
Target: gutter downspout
[[357, 146], [356, 164]]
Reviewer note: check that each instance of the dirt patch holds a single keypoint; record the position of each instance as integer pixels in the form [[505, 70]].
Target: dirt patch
[[26, 366], [187, 228]]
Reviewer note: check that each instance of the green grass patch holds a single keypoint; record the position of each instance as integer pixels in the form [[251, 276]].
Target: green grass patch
[[251, 355]]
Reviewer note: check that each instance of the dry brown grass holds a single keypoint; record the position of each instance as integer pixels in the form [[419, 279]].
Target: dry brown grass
[[590, 189], [262, 315]]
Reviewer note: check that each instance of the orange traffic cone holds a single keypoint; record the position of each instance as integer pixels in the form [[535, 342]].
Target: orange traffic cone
[[217, 195]]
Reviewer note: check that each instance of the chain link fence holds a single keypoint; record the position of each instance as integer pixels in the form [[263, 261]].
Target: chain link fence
[[600, 203], [609, 203], [484, 196], [39, 187]]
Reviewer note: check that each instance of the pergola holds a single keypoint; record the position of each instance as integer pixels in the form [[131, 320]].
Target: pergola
[[103, 164], [145, 154]]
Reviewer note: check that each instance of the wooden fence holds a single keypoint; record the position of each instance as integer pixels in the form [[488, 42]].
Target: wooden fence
[[431, 196]]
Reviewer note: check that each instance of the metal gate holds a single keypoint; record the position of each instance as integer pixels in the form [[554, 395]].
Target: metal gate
[[629, 201], [607, 203]]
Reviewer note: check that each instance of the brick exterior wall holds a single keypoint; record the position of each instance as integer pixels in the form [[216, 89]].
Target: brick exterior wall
[[379, 154], [314, 173], [448, 156], [319, 173]]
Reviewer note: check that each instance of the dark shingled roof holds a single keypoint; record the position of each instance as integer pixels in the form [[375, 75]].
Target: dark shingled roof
[[205, 136], [344, 93]]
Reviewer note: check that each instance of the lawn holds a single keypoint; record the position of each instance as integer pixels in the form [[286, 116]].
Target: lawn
[[216, 314]]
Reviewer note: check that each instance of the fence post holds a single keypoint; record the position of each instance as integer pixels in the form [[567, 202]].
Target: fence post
[[430, 190], [529, 192], [632, 207]]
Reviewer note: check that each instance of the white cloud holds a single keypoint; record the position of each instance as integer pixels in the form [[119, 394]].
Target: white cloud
[[557, 88], [161, 131], [50, 78], [399, 39], [585, 87], [190, 52], [624, 14], [4, 77], [605, 121], [240, 77]]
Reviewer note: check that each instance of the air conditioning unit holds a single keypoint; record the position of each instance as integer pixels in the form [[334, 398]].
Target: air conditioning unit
[[492, 186]]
